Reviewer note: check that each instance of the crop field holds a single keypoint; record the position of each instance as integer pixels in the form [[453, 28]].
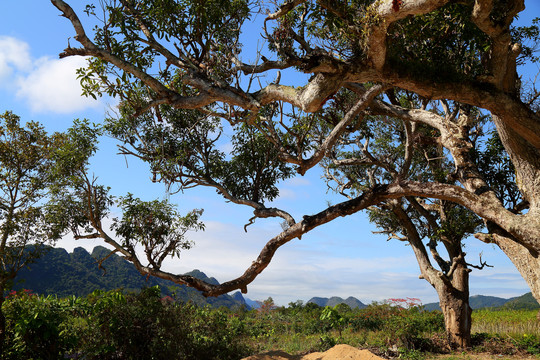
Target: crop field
[[506, 322]]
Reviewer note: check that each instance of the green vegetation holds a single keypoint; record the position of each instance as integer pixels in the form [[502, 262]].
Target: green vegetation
[[145, 325], [113, 325], [506, 321]]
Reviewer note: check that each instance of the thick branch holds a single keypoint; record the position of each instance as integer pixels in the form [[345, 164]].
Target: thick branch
[[385, 14], [297, 230], [483, 205]]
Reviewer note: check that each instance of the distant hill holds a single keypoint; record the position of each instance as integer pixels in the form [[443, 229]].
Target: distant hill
[[61, 273], [252, 303], [333, 301], [525, 301]]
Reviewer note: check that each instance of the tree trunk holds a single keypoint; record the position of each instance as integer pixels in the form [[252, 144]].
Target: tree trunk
[[527, 265], [451, 284], [454, 302]]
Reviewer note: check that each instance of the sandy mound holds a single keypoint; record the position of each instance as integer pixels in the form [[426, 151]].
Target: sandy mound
[[338, 352]]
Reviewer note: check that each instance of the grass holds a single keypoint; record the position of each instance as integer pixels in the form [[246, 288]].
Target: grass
[[501, 334], [510, 322]]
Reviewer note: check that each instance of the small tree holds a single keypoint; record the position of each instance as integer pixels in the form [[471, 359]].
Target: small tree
[[153, 228], [27, 171]]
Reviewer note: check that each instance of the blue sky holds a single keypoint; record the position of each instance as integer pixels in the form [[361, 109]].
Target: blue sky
[[343, 258]]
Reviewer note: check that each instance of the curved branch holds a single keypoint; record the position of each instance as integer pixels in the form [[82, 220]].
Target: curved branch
[[483, 205], [338, 130], [309, 223], [429, 273]]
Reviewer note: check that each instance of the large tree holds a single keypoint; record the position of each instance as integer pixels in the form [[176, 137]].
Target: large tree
[[181, 74], [426, 225]]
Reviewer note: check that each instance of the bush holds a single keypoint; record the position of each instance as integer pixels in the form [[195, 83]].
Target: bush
[[35, 326], [142, 326], [113, 325]]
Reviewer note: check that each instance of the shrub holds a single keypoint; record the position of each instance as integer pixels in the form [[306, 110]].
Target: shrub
[[35, 326], [113, 325], [143, 326]]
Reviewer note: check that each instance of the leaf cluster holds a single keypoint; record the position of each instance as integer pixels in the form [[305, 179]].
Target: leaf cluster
[[203, 35], [156, 225], [442, 44], [184, 149]]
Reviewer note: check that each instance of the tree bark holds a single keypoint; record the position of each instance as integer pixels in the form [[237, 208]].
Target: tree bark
[[454, 303], [527, 265], [526, 161]]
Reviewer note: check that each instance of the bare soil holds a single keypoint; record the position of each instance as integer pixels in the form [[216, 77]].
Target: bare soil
[[338, 352]]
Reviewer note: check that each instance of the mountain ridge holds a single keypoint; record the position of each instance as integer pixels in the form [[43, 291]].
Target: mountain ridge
[[525, 301], [352, 302], [78, 273], [63, 274]]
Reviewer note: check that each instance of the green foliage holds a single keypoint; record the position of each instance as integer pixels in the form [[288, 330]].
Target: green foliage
[[498, 170], [113, 325], [72, 161], [156, 225], [26, 176], [207, 31], [443, 43], [254, 168], [530, 343], [332, 316], [183, 150], [31, 169], [82, 204], [36, 326]]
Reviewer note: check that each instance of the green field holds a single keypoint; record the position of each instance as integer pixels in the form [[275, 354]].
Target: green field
[[111, 325]]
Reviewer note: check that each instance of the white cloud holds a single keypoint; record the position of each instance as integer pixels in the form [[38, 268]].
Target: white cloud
[[46, 84], [52, 86], [14, 55]]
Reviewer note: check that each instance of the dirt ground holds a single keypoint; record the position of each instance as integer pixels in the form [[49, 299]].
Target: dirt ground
[[346, 352], [338, 352]]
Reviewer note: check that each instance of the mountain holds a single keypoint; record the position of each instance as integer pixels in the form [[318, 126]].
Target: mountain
[[78, 273], [352, 302], [525, 301], [252, 303]]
